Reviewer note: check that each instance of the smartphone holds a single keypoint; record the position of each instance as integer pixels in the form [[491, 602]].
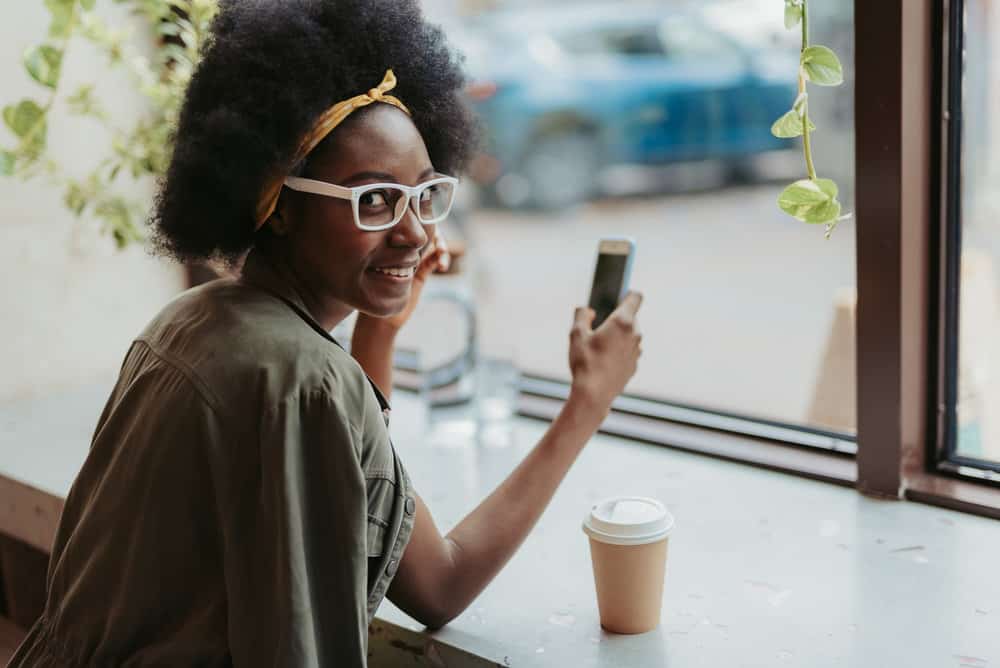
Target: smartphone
[[611, 276]]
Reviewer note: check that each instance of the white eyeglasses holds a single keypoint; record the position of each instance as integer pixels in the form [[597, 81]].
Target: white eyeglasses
[[379, 206]]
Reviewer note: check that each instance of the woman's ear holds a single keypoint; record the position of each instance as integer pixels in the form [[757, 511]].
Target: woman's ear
[[278, 221], [277, 224]]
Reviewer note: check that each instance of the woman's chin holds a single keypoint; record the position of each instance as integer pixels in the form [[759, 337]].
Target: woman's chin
[[384, 308], [386, 296]]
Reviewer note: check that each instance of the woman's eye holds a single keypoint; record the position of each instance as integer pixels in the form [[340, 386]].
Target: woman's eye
[[373, 198], [428, 193]]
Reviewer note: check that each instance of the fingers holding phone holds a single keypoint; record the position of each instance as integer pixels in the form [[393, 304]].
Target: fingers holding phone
[[626, 312], [605, 342], [602, 361]]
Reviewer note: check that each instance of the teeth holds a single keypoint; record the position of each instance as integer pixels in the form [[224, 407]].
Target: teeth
[[401, 272]]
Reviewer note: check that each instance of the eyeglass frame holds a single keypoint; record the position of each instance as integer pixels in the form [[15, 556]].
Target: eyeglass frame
[[354, 193]]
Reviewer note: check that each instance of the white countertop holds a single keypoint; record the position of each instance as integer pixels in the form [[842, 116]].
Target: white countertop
[[765, 569]]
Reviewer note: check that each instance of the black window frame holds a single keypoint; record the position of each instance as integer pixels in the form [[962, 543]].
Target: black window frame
[[946, 261]]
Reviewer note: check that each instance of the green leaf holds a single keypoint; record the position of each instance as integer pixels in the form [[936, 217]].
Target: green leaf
[[7, 163], [799, 105], [44, 64], [811, 201], [174, 53], [82, 99], [115, 215], [790, 125], [21, 118], [821, 66], [168, 29], [793, 14], [87, 4], [75, 198], [62, 17], [825, 213], [118, 219]]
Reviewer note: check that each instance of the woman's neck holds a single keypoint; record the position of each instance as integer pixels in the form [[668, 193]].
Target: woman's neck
[[328, 312]]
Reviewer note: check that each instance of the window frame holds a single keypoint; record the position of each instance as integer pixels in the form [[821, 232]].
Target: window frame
[[900, 135], [903, 351], [946, 308]]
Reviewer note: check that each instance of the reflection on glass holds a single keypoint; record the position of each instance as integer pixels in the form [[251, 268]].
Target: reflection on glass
[[652, 120], [979, 304]]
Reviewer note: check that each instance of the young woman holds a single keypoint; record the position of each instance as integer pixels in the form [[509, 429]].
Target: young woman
[[242, 503]]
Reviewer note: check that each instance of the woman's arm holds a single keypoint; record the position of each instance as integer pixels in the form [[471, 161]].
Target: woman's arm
[[439, 576], [372, 345]]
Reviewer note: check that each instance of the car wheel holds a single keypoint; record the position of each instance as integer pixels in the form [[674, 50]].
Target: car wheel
[[558, 171], [742, 171]]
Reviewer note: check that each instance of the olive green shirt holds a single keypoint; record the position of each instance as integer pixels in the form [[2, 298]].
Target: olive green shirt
[[241, 503]]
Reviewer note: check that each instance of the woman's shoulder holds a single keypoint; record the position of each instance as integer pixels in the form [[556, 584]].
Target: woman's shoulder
[[252, 349]]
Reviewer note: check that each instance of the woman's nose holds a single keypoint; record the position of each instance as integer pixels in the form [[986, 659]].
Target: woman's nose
[[409, 231]]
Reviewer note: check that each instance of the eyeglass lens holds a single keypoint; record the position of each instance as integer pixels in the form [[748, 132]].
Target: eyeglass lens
[[383, 205]]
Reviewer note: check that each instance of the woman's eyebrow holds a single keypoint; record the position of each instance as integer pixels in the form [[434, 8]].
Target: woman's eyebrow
[[384, 176], [375, 176]]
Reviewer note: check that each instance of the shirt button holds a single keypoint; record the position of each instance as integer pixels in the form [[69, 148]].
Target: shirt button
[[411, 505], [390, 570]]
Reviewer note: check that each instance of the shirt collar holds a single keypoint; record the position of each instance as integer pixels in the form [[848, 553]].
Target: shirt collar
[[260, 273]]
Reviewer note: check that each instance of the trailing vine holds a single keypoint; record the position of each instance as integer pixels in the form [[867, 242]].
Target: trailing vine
[[812, 199], [178, 29]]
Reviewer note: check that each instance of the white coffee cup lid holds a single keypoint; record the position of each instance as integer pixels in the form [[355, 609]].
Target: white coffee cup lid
[[628, 520]]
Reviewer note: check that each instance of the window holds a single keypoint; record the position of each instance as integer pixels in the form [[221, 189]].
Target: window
[[637, 40], [750, 318], [685, 40], [973, 238], [748, 313]]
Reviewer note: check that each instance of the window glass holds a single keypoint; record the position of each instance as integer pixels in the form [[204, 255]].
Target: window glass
[[978, 396], [746, 311]]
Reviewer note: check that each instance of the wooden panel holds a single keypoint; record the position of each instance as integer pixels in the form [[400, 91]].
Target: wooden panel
[[893, 137], [11, 636], [878, 27], [28, 514], [24, 569]]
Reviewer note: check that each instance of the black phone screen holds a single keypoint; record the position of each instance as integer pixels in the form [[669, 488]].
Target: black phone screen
[[607, 286]]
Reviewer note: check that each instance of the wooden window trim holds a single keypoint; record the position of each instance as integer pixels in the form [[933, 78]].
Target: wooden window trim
[[899, 243]]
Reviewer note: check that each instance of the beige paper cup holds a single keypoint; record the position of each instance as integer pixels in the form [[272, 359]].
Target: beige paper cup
[[628, 549]]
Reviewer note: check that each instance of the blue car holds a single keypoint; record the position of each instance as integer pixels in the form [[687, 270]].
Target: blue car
[[567, 92]]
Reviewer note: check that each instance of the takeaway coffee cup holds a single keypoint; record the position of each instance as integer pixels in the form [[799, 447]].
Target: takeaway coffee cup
[[628, 548]]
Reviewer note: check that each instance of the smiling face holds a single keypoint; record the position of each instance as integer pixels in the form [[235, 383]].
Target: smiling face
[[339, 267]]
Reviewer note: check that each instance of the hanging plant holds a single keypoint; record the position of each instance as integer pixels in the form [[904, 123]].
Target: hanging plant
[[812, 199], [179, 29]]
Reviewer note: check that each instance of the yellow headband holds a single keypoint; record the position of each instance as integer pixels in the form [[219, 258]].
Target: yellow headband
[[324, 125]]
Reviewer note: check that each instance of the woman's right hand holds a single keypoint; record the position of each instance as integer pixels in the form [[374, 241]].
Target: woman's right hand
[[602, 361]]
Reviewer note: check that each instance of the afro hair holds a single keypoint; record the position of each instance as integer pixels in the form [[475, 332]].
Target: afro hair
[[269, 69]]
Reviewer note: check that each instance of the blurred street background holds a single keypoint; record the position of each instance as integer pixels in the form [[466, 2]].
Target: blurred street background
[[652, 120], [646, 119]]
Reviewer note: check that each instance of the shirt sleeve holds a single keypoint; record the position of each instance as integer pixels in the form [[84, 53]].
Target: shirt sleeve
[[296, 559]]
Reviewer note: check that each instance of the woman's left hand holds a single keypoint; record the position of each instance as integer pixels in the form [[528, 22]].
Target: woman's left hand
[[435, 258]]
